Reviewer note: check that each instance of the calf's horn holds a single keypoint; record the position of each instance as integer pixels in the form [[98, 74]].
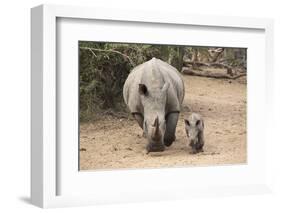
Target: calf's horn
[[155, 129]]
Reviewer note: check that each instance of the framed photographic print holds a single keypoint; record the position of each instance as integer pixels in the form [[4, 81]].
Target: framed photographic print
[[129, 106]]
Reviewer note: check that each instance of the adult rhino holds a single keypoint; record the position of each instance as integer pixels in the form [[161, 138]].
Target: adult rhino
[[154, 92]]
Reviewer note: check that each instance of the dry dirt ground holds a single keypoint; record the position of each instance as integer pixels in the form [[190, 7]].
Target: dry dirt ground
[[112, 143]]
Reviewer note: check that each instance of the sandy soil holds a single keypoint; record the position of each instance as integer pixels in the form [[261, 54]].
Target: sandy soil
[[113, 143]]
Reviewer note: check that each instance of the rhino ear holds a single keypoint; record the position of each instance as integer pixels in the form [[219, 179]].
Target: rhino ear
[[143, 89], [165, 87], [186, 122]]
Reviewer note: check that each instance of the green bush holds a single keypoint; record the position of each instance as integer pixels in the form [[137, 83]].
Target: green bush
[[103, 69]]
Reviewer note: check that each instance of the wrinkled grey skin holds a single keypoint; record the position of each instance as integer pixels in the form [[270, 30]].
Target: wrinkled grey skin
[[154, 92], [194, 127]]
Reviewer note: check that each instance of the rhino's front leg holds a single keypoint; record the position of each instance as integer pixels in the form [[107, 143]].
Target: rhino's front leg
[[171, 124]]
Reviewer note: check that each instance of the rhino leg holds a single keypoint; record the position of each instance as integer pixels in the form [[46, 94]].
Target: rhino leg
[[171, 124], [139, 119]]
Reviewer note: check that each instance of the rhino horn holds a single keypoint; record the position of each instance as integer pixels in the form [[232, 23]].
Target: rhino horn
[[156, 122], [155, 129]]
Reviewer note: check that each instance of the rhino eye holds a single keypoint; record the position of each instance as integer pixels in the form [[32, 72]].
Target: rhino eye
[[197, 122], [187, 122]]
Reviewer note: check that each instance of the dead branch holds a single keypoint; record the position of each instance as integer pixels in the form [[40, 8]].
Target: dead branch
[[214, 64], [110, 50], [228, 68], [209, 74]]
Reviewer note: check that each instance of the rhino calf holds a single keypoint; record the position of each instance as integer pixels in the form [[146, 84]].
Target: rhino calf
[[154, 92], [194, 127]]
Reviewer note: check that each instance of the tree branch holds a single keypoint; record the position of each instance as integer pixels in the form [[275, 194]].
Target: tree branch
[[110, 50]]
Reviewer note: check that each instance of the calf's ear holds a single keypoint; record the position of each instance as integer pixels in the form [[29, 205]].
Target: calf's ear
[[143, 89], [186, 122]]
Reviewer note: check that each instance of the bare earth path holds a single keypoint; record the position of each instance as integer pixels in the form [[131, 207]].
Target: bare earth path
[[118, 143]]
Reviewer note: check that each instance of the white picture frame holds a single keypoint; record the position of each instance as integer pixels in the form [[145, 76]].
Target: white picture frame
[[45, 169]]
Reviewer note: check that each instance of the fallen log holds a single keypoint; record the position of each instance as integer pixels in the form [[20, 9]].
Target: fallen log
[[208, 74], [228, 68], [213, 64]]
